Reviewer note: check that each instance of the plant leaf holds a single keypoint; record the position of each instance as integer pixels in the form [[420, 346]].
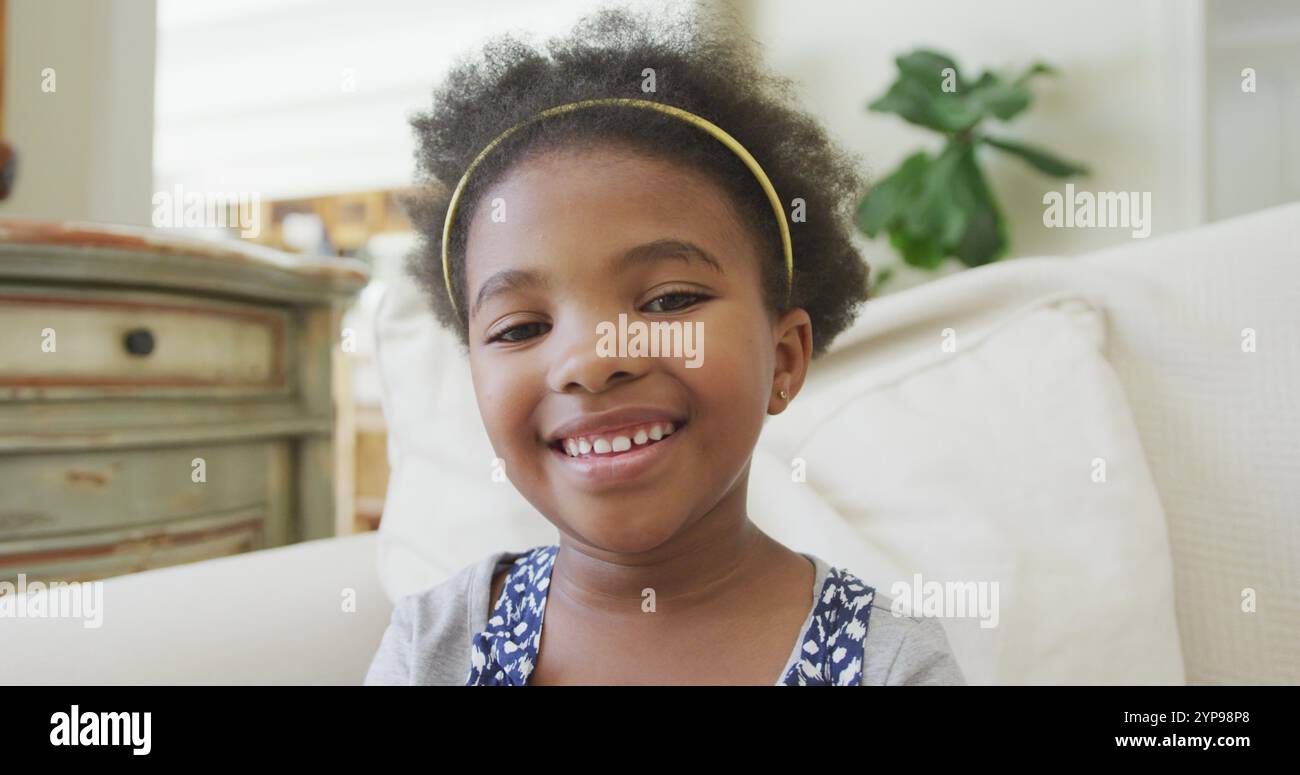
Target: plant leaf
[[921, 252], [936, 214], [933, 109], [888, 199], [926, 68], [1040, 159], [985, 238], [1038, 68], [917, 94], [1002, 99]]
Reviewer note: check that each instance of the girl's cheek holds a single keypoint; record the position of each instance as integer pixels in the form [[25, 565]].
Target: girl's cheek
[[507, 401], [493, 400]]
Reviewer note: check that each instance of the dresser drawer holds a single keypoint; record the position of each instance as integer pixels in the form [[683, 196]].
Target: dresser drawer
[[83, 343], [98, 555], [48, 495]]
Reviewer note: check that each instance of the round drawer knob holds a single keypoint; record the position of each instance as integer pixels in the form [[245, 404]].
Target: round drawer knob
[[139, 341]]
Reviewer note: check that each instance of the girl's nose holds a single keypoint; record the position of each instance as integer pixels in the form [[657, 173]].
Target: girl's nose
[[581, 364]]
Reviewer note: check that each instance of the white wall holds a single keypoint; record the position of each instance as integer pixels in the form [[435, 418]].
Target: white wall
[[1128, 101], [1254, 135], [85, 149], [288, 98]]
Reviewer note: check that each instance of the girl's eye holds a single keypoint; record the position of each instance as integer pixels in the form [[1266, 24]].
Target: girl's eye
[[519, 333], [674, 301]]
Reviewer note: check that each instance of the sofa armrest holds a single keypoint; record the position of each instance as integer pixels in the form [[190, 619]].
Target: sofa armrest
[[276, 616]]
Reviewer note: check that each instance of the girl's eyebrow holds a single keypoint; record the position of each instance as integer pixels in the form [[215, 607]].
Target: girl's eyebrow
[[662, 249], [650, 252], [508, 280]]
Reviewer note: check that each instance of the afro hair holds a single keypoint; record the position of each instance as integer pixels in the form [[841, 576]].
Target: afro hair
[[698, 63]]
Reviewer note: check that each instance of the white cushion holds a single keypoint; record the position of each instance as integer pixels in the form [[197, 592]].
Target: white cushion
[[305, 614], [978, 465], [1220, 426]]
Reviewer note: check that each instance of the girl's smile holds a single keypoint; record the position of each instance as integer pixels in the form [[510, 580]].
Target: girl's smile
[[609, 449]]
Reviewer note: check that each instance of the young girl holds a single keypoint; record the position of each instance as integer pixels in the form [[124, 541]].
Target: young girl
[[633, 177]]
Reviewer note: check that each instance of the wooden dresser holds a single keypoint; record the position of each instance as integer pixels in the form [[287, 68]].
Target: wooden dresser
[[162, 400]]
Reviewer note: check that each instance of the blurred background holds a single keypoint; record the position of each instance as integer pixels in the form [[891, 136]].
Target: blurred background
[[305, 103]]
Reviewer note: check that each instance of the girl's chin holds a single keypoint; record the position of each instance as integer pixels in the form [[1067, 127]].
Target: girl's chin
[[614, 533]]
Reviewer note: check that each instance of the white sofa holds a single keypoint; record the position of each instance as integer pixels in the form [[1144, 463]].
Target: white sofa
[[1219, 433]]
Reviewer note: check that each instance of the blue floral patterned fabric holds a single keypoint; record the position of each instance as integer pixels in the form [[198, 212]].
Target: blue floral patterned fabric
[[505, 653]]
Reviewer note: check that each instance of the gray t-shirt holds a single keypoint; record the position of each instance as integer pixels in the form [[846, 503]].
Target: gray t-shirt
[[428, 640]]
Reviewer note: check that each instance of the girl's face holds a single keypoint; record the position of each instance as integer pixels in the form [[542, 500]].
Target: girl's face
[[558, 249]]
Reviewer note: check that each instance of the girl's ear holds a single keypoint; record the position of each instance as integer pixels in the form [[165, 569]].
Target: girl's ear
[[792, 333]]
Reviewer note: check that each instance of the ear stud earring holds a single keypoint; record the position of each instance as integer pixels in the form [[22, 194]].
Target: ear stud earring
[[783, 395]]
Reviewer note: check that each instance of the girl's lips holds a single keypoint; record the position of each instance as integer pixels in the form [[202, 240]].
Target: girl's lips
[[618, 467]]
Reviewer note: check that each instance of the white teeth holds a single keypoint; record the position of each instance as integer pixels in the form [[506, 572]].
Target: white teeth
[[604, 445]]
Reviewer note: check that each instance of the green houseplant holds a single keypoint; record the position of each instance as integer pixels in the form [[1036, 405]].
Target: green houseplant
[[936, 207]]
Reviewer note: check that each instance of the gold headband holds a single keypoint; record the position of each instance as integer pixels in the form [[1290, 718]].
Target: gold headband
[[702, 123]]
